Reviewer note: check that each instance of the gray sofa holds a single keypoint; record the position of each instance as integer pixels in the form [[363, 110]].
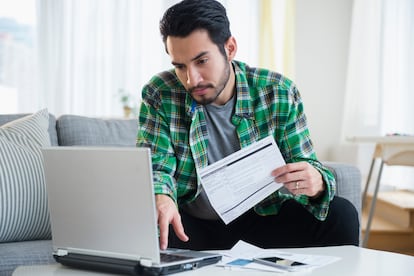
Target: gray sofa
[[70, 130]]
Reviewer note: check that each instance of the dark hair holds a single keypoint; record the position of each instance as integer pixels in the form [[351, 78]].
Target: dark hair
[[186, 16]]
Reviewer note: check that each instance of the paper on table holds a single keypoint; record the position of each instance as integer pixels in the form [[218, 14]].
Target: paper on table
[[241, 257], [241, 180], [242, 254]]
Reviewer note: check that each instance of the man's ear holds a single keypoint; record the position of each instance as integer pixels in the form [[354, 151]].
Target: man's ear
[[231, 48]]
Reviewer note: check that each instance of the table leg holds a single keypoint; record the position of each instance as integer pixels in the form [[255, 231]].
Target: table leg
[[364, 196], [372, 208]]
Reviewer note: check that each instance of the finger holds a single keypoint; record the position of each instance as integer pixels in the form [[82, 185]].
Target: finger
[[289, 167], [163, 228], [179, 229], [296, 187]]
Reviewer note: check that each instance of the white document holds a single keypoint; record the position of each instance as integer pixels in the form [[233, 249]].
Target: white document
[[241, 256], [241, 180]]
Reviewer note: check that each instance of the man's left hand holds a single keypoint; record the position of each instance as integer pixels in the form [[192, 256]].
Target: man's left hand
[[300, 178]]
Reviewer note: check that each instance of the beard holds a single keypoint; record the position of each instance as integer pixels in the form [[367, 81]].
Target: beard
[[205, 99]]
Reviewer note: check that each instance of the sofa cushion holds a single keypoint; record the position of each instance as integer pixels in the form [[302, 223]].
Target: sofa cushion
[[15, 254], [74, 130], [5, 118], [23, 203]]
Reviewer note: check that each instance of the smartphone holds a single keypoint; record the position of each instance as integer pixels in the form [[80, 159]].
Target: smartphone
[[281, 263]]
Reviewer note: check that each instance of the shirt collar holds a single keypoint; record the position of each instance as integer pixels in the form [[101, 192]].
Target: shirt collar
[[244, 106]]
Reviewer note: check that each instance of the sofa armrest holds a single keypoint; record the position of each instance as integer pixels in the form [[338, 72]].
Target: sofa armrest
[[348, 182]]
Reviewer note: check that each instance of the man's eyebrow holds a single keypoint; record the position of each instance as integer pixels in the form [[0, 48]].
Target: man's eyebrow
[[199, 55], [194, 58]]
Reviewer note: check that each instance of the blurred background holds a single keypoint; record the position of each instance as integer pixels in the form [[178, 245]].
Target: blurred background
[[351, 60]]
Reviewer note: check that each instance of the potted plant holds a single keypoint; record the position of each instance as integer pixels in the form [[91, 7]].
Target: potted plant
[[126, 101]]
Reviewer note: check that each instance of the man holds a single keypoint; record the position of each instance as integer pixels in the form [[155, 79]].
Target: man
[[210, 106]]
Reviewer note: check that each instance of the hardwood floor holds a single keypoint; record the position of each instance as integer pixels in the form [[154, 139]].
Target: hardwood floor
[[393, 224]]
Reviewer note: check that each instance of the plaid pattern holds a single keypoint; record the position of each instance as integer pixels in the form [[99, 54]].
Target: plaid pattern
[[174, 127]]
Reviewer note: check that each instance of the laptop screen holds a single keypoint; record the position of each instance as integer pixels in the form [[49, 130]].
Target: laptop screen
[[101, 201]]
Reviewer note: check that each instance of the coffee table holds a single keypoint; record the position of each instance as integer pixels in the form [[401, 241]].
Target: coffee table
[[354, 261]]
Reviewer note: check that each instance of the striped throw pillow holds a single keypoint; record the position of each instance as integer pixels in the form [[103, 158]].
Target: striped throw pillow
[[24, 212]]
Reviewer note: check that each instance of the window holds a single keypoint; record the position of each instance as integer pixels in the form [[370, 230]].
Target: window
[[17, 52]]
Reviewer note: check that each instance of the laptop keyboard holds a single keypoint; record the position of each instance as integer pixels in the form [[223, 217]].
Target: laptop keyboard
[[168, 258]]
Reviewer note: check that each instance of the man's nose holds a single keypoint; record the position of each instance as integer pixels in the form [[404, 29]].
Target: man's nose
[[193, 77]]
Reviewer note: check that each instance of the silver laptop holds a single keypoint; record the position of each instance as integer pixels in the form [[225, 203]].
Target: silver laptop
[[102, 210]]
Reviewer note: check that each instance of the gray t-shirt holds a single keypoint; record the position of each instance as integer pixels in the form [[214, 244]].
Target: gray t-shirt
[[222, 141]]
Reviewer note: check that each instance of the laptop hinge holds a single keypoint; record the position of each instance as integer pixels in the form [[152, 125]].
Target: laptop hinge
[[145, 262], [61, 252]]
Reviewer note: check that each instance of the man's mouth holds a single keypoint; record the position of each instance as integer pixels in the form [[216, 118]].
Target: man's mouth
[[200, 90]]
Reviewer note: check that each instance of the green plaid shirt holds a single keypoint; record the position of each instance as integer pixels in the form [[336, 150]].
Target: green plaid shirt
[[173, 125]]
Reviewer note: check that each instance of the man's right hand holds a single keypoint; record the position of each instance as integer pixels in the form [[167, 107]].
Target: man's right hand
[[168, 214]]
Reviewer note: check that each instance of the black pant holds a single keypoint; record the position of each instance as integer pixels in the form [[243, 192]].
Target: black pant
[[294, 226]]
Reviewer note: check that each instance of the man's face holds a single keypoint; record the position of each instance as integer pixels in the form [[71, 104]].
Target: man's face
[[201, 67]]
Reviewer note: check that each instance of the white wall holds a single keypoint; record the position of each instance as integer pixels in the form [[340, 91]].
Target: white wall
[[321, 52]]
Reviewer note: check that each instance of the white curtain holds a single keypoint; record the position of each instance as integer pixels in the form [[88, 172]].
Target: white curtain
[[380, 90], [244, 26], [91, 49], [264, 31]]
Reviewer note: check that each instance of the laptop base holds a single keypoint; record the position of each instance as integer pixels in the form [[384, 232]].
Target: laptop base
[[127, 267]]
